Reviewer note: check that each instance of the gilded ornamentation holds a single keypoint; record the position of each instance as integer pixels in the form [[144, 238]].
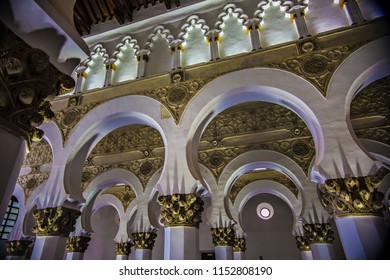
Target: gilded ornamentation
[[77, 244], [39, 154], [57, 221], [239, 245], [319, 233], [317, 66], [223, 236], [353, 196], [124, 193], [144, 240], [303, 243], [28, 81], [123, 248], [31, 182], [18, 248], [181, 210], [252, 176]]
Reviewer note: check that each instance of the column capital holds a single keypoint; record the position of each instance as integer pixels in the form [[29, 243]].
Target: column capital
[[303, 243], [353, 196], [77, 244], [239, 245], [142, 54], [18, 248], [56, 221], [123, 248], [213, 35], [223, 236], [319, 233], [181, 210], [252, 24], [144, 240]]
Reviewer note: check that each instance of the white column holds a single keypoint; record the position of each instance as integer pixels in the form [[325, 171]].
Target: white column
[[213, 38], [253, 25], [181, 243], [352, 10], [298, 16], [363, 237], [74, 256], [12, 150], [49, 248], [110, 66], [239, 255], [122, 257], [223, 252], [306, 255], [80, 75], [142, 58], [176, 46], [322, 251], [143, 254]]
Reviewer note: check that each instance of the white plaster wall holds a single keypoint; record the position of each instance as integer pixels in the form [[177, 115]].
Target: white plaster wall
[[196, 49], [96, 74], [126, 66], [105, 224], [234, 38], [372, 9], [160, 57]]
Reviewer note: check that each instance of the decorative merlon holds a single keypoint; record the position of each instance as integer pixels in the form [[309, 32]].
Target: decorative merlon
[[181, 210], [57, 221]]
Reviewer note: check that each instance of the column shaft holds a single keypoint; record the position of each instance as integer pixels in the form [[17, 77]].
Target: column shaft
[[49, 248], [181, 243]]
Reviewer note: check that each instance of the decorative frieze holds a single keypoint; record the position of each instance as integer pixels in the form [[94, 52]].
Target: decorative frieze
[[18, 248], [181, 210], [77, 244], [125, 194], [123, 248], [56, 221], [239, 245], [318, 233], [353, 196], [223, 236], [303, 243], [144, 240]]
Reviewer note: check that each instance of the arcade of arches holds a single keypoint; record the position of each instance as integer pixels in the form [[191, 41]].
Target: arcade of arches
[[235, 130]]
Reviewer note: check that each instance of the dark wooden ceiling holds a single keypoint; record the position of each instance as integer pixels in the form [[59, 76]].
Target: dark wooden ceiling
[[89, 12]]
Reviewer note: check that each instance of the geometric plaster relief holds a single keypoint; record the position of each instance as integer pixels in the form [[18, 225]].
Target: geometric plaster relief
[[124, 193], [317, 66], [370, 112], [68, 118], [256, 175], [137, 148], [254, 126], [39, 155]]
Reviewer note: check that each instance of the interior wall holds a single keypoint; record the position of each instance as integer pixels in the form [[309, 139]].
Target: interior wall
[[105, 225], [269, 239]]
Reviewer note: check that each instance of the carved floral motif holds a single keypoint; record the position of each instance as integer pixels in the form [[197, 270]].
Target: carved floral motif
[[123, 248], [318, 233], [144, 240], [77, 244], [239, 245], [18, 248], [223, 236], [303, 243]]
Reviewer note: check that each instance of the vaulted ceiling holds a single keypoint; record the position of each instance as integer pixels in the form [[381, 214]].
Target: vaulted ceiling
[[90, 12]]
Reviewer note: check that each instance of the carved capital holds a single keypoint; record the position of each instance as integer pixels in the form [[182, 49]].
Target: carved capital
[[144, 240], [123, 248], [239, 245], [181, 210], [27, 81], [18, 248], [57, 221], [303, 243], [318, 233], [354, 196], [77, 244], [223, 236]]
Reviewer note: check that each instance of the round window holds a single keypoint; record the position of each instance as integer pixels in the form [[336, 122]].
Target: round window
[[265, 211]]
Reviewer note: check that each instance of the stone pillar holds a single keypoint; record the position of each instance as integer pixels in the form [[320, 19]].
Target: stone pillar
[[80, 76], [358, 210], [142, 58], [213, 39], [176, 49], [223, 240], [353, 11], [304, 247], [298, 17], [110, 66], [181, 215], [123, 250], [76, 247], [52, 230], [253, 27], [320, 237], [239, 248], [143, 244], [17, 249]]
